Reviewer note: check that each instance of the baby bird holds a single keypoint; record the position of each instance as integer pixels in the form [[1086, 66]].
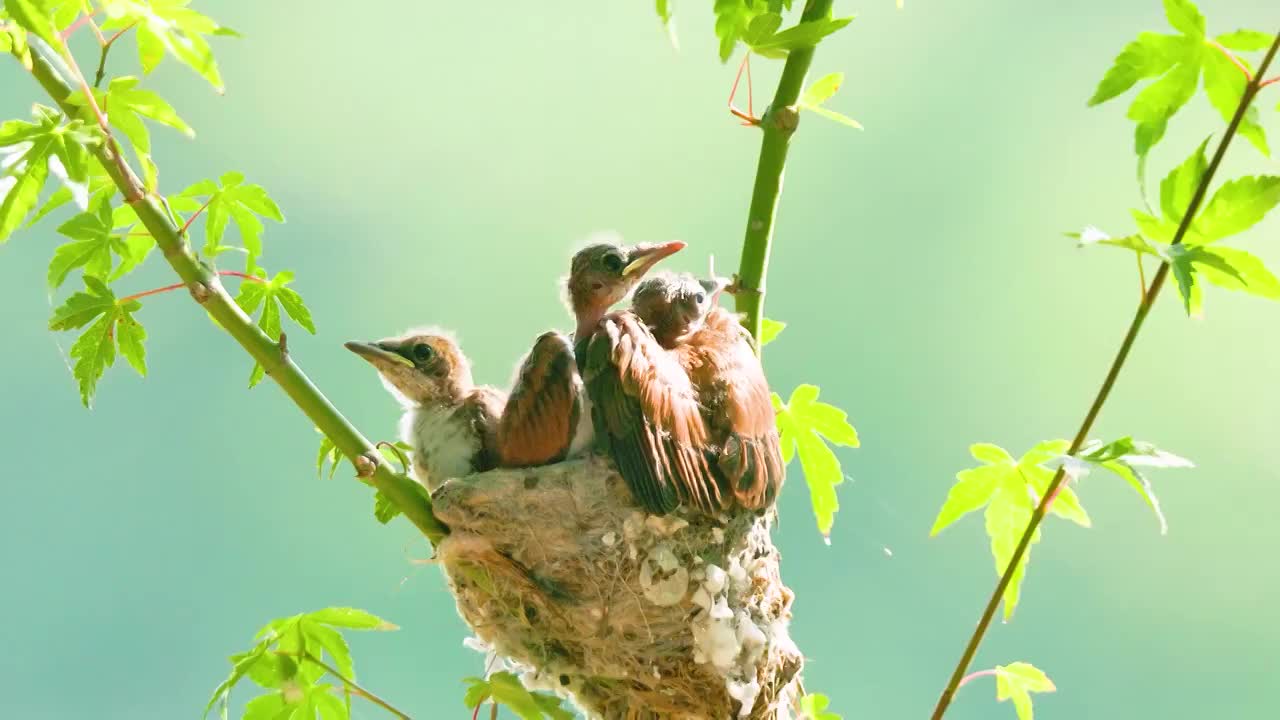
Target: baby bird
[[449, 421], [680, 400], [547, 417], [719, 357]]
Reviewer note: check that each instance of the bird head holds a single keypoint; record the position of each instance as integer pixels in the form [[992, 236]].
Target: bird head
[[675, 306], [602, 274], [419, 367]]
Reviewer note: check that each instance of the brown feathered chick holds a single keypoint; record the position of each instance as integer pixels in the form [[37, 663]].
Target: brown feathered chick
[[449, 421]]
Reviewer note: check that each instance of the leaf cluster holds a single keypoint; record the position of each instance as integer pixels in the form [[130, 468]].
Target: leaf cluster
[[504, 688], [290, 657]]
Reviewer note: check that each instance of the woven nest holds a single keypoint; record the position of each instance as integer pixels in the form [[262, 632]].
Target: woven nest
[[630, 616]]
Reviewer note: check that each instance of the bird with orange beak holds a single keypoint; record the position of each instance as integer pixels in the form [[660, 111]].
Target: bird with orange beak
[[547, 416], [449, 421], [681, 402]]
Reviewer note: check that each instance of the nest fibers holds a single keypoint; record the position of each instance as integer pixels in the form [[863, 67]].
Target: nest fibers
[[629, 615]]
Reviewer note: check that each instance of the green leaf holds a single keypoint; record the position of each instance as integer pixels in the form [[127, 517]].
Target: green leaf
[[34, 16], [234, 201], [1156, 229], [822, 89], [761, 28], [168, 26], [335, 646], [1124, 456], [803, 35], [1224, 86], [1007, 516], [506, 689], [330, 707], [1031, 466], [131, 335], [272, 296], [837, 117], [126, 104], [1185, 17], [1160, 101], [770, 330], [973, 490], [1184, 273], [21, 184], [90, 248], [732, 19], [1151, 55], [806, 426], [1237, 206], [1093, 236], [81, 308], [349, 618], [1245, 40], [1243, 271], [239, 668], [93, 352], [264, 707], [383, 509], [814, 707], [991, 454], [1180, 184], [1016, 681]]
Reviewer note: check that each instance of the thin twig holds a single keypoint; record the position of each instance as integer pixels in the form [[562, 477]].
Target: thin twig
[[1142, 277], [352, 685], [106, 49], [1269, 81], [1149, 298]]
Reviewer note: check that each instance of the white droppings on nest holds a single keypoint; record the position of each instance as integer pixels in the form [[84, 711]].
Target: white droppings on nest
[[684, 616]]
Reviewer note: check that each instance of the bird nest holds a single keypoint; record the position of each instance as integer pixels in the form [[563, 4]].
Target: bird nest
[[631, 616]]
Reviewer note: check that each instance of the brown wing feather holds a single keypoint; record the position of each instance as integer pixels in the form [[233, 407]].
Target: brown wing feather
[[483, 409], [541, 414], [740, 418], [646, 413]]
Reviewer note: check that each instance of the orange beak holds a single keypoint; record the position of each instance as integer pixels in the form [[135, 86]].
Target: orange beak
[[644, 257]]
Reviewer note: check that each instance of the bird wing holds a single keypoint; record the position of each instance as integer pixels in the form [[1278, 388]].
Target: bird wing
[[483, 410], [739, 414], [646, 413], [542, 411]]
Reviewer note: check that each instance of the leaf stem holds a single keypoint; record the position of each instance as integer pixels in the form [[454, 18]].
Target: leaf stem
[[1248, 76], [778, 123], [1269, 81], [1144, 308], [209, 293], [354, 687], [186, 225], [179, 286], [975, 675]]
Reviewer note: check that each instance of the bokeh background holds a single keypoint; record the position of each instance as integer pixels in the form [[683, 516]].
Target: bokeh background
[[438, 162]]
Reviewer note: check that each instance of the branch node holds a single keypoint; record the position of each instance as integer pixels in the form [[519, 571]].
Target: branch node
[[199, 292], [736, 288], [284, 346], [785, 119], [366, 465]]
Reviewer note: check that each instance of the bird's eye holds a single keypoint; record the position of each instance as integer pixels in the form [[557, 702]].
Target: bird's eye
[[422, 352], [612, 262], [699, 298]]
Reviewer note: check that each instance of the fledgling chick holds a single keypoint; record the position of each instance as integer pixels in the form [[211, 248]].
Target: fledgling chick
[[644, 405], [547, 417], [717, 354], [449, 421]]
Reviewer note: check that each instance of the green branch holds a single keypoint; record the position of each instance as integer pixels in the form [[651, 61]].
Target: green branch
[[202, 281], [1144, 308], [778, 124]]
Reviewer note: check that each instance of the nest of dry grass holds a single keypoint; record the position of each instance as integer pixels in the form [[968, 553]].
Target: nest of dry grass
[[628, 615]]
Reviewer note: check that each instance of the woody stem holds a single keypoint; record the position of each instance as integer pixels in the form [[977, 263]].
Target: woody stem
[[778, 124]]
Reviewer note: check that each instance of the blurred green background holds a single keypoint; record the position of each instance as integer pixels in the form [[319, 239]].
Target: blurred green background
[[438, 162]]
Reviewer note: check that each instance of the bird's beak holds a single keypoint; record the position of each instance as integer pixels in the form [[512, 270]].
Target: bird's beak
[[644, 257], [376, 353], [714, 287]]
